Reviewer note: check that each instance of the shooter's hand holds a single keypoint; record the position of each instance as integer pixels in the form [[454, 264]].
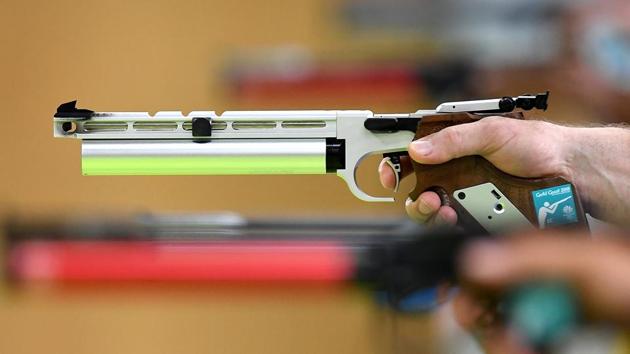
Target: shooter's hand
[[520, 148], [597, 268]]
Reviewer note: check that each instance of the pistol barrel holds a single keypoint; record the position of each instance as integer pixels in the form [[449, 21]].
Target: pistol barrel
[[221, 157]]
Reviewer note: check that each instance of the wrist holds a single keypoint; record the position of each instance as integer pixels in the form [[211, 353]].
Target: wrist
[[570, 155], [595, 161], [583, 154], [575, 158]]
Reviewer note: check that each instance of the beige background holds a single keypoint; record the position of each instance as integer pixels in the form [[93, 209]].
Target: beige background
[[148, 56], [160, 55], [170, 55]]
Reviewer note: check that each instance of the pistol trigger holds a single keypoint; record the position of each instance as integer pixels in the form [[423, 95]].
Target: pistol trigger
[[394, 163]]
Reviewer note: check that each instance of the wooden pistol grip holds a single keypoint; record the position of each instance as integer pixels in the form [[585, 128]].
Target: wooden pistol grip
[[470, 171]]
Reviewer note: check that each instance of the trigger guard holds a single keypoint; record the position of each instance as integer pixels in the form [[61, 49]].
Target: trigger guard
[[348, 175]]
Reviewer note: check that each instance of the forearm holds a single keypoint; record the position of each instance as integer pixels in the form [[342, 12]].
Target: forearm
[[599, 166]]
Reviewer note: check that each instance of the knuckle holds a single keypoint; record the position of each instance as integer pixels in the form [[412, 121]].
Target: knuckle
[[497, 130], [453, 141], [496, 124], [412, 211], [493, 120], [452, 135]]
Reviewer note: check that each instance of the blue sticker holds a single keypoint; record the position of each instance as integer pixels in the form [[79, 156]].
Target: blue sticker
[[555, 206]]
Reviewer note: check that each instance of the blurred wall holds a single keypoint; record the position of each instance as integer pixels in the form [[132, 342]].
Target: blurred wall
[[170, 55], [147, 56]]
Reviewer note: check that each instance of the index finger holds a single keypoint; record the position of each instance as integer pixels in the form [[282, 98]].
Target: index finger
[[387, 175]]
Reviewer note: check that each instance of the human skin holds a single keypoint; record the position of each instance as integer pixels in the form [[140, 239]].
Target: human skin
[[597, 267], [595, 159]]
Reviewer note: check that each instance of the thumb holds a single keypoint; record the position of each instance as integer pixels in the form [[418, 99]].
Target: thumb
[[452, 142]]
